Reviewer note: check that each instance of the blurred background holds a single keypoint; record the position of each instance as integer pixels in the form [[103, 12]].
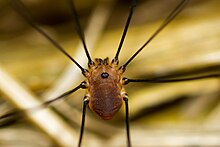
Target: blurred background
[[168, 114]]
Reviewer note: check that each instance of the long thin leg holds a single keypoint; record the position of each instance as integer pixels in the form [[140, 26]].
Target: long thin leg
[[24, 12], [169, 18], [21, 113], [161, 80], [127, 121], [79, 29], [82, 85], [133, 4], [85, 103]]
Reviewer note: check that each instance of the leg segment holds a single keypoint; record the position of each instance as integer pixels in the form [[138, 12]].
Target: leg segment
[[127, 121], [85, 103]]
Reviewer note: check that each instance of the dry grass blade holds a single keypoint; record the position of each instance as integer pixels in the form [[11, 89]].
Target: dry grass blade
[[24, 99]]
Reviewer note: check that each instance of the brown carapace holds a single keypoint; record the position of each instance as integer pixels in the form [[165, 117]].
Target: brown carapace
[[105, 87], [104, 80]]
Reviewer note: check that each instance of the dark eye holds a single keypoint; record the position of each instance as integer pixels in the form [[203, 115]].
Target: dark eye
[[104, 75]]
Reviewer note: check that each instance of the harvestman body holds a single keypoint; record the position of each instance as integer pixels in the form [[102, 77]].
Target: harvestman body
[[104, 79], [105, 92]]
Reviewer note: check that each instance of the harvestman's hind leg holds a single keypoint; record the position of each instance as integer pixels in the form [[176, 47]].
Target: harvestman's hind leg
[[85, 104], [127, 121]]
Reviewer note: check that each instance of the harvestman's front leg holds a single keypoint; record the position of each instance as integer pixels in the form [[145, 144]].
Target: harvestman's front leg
[[85, 104]]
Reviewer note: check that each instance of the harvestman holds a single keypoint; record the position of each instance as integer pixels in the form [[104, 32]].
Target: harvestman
[[104, 81]]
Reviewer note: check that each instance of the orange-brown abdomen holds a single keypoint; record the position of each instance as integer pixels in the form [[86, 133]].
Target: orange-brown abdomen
[[106, 100]]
